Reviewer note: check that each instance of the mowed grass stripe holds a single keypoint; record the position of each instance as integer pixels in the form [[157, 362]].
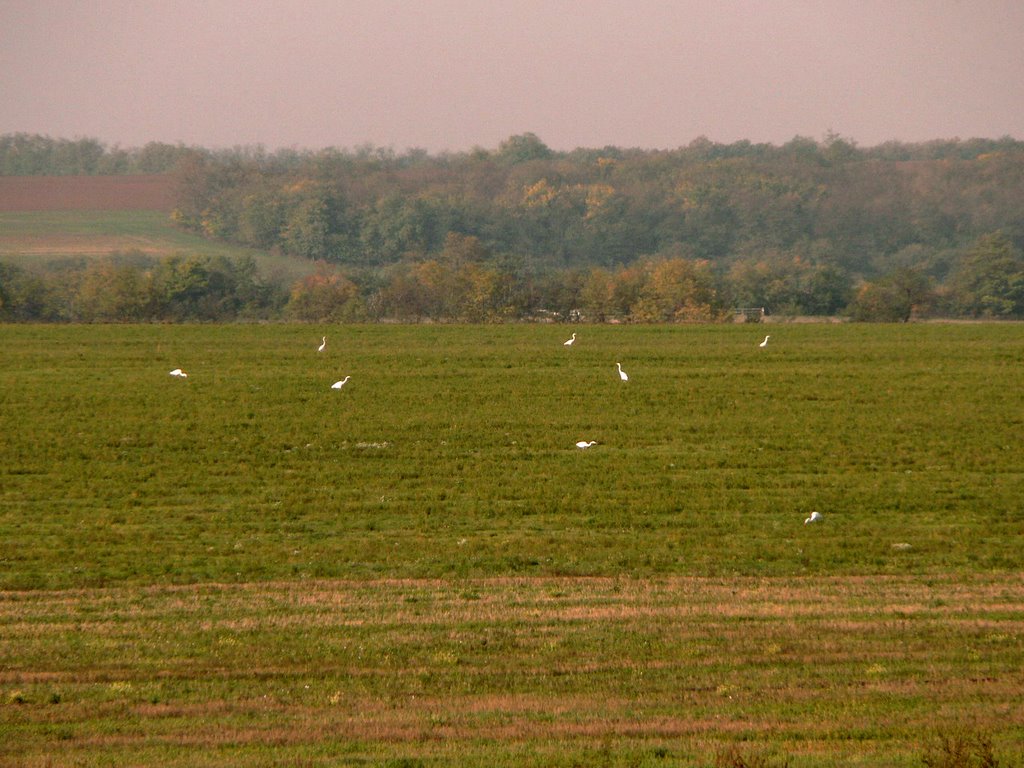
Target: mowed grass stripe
[[513, 671]]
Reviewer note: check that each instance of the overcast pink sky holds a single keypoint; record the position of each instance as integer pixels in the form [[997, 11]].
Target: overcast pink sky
[[457, 74]]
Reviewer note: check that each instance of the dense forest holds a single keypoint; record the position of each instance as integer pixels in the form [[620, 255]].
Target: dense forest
[[890, 233]]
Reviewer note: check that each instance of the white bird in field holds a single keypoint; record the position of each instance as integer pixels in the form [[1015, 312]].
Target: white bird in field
[[814, 518], [322, 345], [765, 342], [179, 373], [340, 384], [585, 444], [622, 373], [570, 341]]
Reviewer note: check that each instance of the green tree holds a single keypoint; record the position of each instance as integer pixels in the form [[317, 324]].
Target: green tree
[[261, 219], [201, 287], [397, 225], [114, 292], [523, 148], [157, 157], [307, 228], [826, 290], [786, 283], [710, 219], [989, 281], [893, 298], [29, 296]]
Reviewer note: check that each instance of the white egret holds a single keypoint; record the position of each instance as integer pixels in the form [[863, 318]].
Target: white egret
[[569, 343], [585, 444], [179, 373], [321, 347], [622, 373], [765, 342], [340, 384], [814, 518]]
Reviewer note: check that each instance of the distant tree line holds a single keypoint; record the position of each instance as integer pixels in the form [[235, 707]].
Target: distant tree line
[[134, 287], [808, 227], [465, 283], [29, 154]]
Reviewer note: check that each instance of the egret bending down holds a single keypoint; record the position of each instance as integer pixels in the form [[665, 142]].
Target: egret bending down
[[179, 373], [340, 384], [814, 518], [622, 373], [322, 345], [570, 341], [585, 444], [765, 342]]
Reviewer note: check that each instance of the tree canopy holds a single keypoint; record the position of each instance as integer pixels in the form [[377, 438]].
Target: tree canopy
[[808, 227]]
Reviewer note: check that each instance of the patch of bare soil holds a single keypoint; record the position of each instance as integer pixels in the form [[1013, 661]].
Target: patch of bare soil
[[87, 193]]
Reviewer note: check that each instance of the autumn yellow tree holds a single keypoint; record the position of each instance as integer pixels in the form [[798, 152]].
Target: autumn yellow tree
[[326, 295], [678, 290]]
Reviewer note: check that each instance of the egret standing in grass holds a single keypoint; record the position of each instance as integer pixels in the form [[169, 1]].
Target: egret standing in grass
[[814, 518], [622, 373], [340, 384], [765, 342], [179, 373], [585, 444], [322, 346], [569, 343]]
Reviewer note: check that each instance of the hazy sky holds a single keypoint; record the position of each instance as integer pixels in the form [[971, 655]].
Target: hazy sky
[[456, 74]]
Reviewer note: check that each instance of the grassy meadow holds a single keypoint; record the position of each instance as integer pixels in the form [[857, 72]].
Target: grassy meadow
[[246, 567], [30, 238]]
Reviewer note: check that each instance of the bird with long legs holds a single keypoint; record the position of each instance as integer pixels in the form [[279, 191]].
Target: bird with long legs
[[323, 345], [340, 384], [764, 343], [570, 342], [622, 373]]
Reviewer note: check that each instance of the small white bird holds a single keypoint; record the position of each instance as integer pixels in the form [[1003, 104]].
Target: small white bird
[[179, 373], [765, 342], [570, 341], [585, 444], [340, 384], [814, 518], [322, 345], [622, 373]]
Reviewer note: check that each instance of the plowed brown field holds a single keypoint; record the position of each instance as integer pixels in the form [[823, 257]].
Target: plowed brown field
[[86, 193]]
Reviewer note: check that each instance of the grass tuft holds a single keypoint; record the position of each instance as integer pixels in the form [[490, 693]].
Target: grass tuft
[[961, 749], [734, 757]]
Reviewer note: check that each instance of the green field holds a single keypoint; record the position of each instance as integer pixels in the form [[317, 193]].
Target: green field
[[34, 237], [246, 567]]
